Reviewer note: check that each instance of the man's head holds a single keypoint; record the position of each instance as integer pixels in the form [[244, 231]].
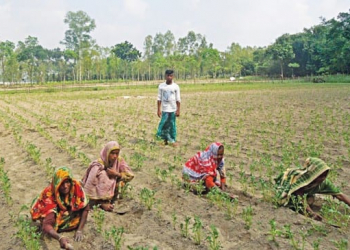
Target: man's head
[[169, 75]]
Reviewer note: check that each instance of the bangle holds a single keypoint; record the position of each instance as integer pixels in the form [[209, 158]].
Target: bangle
[[59, 238]]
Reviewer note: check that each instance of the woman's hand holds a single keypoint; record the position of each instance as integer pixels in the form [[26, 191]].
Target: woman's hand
[[316, 216], [112, 173], [64, 242], [78, 236]]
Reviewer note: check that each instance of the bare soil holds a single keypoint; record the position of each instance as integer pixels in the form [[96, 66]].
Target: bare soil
[[263, 131]]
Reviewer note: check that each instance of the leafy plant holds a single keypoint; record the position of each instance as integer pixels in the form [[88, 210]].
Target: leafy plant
[[27, 233], [213, 239], [147, 197], [197, 230], [99, 218], [248, 216], [116, 234], [184, 227], [274, 231]]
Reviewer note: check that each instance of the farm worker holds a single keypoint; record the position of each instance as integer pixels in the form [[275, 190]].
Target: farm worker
[[208, 166], [308, 180], [62, 206], [105, 176], [168, 104]]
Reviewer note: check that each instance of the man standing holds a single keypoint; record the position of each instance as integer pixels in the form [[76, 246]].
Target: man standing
[[168, 103]]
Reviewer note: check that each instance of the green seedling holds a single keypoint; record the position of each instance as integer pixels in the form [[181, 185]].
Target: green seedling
[[99, 218], [174, 218], [116, 235], [27, 233], [274, 231], [184, 227], [248, 216], [147, 197], [213, 239], [197, 230], [5, 182]]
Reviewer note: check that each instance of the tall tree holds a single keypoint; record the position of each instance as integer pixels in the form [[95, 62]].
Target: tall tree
[[32, 54], [77, 37], [126, 51], [282, 51], [6, 52]]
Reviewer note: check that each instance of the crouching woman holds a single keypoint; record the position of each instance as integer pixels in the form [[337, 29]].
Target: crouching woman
[[62, 206]]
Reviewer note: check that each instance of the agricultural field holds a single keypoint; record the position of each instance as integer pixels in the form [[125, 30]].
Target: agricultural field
[[265, 129]]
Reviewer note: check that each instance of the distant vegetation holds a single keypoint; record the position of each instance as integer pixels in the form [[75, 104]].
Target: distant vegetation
[[323, 49]]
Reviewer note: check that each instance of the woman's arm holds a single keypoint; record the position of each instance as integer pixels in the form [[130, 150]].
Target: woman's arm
[[343, 198], [79, 233], [48, 223]]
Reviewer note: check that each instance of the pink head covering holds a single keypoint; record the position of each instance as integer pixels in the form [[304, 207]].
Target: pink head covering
[[106, 150]]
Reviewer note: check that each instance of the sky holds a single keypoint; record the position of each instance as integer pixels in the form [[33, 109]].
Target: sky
[[223, 22]]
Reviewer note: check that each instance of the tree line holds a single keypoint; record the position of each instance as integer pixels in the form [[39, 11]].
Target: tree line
[[321, 49]]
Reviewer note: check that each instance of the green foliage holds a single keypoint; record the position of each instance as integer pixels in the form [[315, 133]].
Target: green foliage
[[335, 213], [27, 233], [185, 227], [213, 239], [5, 182], [99, 218], [197, 230], [274, 231], [248, 216], [116, 234], [126, 51], [147, 197]]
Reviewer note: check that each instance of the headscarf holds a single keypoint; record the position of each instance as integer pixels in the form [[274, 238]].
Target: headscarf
[[97, 183], [294, 179], [205, 163], [50, 200]]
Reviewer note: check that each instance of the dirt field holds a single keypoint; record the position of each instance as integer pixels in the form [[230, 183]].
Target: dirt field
[[264, 130]]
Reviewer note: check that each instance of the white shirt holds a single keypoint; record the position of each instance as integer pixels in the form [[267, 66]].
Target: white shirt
[[169, 94]]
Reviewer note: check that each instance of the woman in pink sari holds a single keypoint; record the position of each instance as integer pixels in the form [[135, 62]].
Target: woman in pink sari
[[105, 175]]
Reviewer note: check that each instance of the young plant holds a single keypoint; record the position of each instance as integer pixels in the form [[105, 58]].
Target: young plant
[[248, 216], [116, 234], [125, 190], [99, 217], [49, 168], [213, 239], [184, 227], [34, 152], [26, 232], [147, 197], [174, 218], [199, 188], [230, 207], [5, 182], [197, 230], [274, 231], [341, 244]]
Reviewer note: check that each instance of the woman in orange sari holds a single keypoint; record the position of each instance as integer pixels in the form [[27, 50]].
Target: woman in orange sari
[[62, 206]]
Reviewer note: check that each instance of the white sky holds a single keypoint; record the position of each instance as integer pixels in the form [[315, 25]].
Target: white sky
[[246, 22]]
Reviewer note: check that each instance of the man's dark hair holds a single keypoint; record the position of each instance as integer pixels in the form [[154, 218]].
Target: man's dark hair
[[169, 72]]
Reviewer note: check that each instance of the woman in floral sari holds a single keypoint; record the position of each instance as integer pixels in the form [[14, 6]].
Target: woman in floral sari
[[62, 206], [309, 180], [105, 176], [207, 166]]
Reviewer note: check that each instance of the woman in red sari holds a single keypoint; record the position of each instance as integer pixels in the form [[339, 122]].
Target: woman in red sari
[[207, 166], [62, 206]]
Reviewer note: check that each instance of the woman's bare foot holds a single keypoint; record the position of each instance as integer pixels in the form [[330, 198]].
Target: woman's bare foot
[[107, 207]]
